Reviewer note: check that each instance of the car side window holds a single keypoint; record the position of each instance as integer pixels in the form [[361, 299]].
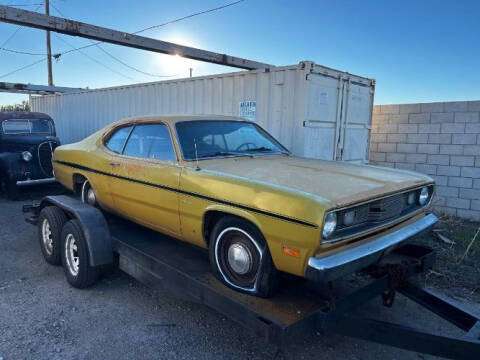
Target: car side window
[[117, 140], [151, 141]]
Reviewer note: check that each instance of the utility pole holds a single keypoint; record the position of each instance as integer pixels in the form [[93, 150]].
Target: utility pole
[[49, 49], [191, 72]]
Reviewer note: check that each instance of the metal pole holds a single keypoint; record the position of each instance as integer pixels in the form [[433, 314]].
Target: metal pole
[[191, 72], [49, 49]]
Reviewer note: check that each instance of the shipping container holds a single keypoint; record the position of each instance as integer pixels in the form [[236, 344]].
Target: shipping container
[[313, 110]]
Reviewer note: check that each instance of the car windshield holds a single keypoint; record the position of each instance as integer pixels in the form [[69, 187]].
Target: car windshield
[[210, 139], [27, 126]]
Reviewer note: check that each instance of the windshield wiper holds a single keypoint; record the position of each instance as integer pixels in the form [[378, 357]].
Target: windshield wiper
[[266, 149], [225, 153]]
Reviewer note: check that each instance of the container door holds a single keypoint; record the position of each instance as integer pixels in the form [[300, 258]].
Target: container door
[[355, 122], [323, 116]]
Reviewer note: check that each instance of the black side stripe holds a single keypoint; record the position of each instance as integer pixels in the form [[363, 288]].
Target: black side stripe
[[163, 187]]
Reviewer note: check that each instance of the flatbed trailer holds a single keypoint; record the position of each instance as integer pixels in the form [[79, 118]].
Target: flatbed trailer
[[299, 309]]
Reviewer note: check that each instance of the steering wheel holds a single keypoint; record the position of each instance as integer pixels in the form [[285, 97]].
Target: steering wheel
[[247, 145]]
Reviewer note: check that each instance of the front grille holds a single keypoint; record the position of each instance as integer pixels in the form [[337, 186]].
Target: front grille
[[45, 152]]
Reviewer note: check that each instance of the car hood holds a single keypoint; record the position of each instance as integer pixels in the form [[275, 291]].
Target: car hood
[[340, 183]]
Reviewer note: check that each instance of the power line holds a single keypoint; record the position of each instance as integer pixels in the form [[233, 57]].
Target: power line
[[21, 4], [23, 67], [17, 30]]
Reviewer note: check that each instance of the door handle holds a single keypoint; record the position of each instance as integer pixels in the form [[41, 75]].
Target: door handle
[[113, 163]]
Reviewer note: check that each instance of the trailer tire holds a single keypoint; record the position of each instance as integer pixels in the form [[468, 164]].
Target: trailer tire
[[253, 272], [75, 257], [49, 230]]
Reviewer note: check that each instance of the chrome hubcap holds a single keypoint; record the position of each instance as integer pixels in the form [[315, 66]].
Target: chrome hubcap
[[47, 237], [71, 255], [239, 258], [91, 197]]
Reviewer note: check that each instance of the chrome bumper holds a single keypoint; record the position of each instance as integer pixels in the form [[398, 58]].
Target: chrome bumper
[[36, 182], [346, 262]]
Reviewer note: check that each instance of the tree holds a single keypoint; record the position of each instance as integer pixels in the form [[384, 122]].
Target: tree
[[24, 106]]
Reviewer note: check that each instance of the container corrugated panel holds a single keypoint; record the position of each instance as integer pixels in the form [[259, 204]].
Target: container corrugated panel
[[313, 110]]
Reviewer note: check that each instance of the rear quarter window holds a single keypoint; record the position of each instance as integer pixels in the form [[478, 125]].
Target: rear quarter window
[[117, 139]]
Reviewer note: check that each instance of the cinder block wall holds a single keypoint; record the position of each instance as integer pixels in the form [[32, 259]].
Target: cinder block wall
[[438, 139]]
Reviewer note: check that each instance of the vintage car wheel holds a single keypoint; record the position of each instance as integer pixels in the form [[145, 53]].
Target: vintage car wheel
[[88, 195], [50, 224], [75, 259], [240, 258]]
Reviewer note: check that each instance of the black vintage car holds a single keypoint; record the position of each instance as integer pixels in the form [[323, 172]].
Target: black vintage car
[[27, 141]]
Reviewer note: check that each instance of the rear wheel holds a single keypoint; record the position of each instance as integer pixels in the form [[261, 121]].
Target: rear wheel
[[87, 194], [50, 224], [75, 259], [240, 258]]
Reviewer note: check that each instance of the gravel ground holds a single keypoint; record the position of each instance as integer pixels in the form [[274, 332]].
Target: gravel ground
[[42, 317]]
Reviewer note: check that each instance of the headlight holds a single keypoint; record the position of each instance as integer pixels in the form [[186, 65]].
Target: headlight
[[329, 225], [27, 156], [423, 197]]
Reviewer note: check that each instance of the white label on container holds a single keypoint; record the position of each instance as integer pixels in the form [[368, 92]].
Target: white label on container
[[323, 98], [248, 110]]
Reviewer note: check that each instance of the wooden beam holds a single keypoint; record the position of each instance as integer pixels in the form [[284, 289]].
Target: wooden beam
[[34, 89], [76, 28]]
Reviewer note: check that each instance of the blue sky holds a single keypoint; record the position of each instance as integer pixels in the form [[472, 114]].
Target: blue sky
[[418, 51]]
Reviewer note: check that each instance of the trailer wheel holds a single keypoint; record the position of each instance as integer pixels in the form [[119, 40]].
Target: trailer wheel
[[240, 258], [50, 224], [75, 258]]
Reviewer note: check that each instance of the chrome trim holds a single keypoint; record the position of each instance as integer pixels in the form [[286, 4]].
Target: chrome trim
[[350, 260], [36, 182]]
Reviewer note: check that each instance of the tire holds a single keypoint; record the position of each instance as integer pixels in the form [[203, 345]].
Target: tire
[[75, 257], [49, 230], [87, 195], [253, 271]]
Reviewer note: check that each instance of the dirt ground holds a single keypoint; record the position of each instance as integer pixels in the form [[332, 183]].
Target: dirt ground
[[42, 317]]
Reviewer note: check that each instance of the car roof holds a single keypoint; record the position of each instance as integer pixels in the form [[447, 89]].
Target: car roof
[[173, 119], [8, 115]]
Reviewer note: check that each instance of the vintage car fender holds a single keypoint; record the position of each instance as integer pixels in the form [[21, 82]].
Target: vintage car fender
[[9, 165], [233, 211]]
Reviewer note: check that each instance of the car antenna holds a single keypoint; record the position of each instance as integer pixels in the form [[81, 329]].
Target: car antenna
[[196, 154]]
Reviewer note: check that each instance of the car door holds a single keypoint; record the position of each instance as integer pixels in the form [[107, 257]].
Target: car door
[[146, 177]]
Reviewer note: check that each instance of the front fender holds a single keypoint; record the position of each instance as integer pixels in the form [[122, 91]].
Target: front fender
[[11, 165], [233, 211]]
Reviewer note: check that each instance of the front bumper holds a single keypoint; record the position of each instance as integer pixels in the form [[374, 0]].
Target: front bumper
[[331, 267], [36, 182]]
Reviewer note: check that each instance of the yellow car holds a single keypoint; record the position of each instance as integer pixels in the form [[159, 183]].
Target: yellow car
[[225, 184]]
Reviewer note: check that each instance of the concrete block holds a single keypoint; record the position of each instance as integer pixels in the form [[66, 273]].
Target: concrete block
[[377, 156], [389, 109], [378, 119], [416, 158], [439, 159], [407, 148], [405, 166], [458, 203], [407, 128], [395, 157], [467, 117], [464, 139], [398, 119], [378, 138], [462, 160], [432, 107], [429, 128], [440, 180], [472, 128], [385, 164], [428, 148], [387, 128], [387, 147], [421, 118], [451, 149], [410, 108], [447, 191], [396, 138], [376, 109], [456, 106], [472, 194], [476, 183], [461, 182], [373, 147], [471, 149], [426, 169], [474, 105], [417, 138], [469, 214], [439, 138], [448, 170], [439, 201], [446, 210], [475, 204], [453, 128], [471, 172], [442, 117]]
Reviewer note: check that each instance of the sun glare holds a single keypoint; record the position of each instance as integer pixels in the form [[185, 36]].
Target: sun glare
[[175, 64]]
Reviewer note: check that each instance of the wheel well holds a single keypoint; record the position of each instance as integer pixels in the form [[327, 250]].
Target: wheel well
[[78, 180], [212, 217]]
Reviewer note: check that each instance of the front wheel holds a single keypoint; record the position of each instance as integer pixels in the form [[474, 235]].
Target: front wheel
[[75, 259], [240, 258]]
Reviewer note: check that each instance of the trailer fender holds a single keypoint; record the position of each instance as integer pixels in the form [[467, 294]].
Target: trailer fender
[[94, 225]]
